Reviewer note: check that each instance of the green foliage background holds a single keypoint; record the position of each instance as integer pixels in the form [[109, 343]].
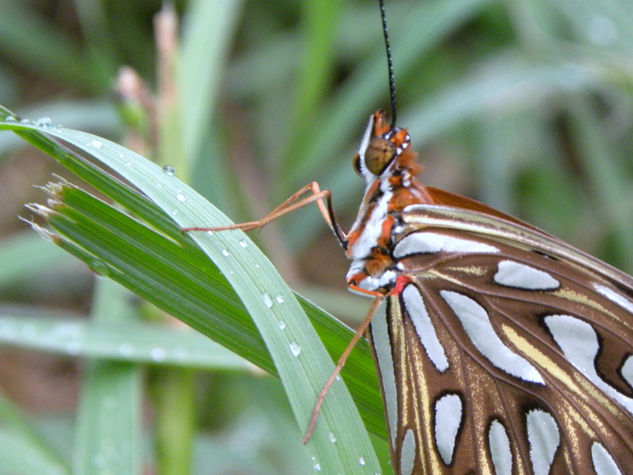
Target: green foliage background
[[524, 105]]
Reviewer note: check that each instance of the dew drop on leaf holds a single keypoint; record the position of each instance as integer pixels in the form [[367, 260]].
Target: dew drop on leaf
[[268, 301], [295, 349], [158, 354]]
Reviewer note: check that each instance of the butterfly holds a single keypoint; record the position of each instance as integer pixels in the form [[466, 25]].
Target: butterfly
[[500, 348]]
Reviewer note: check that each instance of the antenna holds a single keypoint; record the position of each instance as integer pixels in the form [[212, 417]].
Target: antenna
[[392, 81]]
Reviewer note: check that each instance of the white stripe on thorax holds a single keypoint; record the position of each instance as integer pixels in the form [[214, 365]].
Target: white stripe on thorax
[[373, 227]]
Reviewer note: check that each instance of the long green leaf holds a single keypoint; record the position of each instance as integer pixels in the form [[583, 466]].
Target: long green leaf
[[301, 361]]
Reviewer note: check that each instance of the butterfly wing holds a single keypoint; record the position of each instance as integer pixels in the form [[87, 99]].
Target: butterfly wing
[[508, 351]]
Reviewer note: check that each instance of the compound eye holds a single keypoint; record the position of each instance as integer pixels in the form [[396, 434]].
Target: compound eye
[[379, 154], [357, 165]]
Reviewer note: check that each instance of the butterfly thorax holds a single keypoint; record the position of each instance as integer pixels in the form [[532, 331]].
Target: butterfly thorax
[[389, 168]]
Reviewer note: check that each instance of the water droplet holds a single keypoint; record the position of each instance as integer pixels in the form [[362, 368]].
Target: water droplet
[[25, 122], [158, 354], [173, 212], [243, 243], [95, 143], [225, 253], [316, 465], [281, 324], [126, 350], [361, 461], [72, 347], [209, 233], [256, 266], [338, 377], [10, 119], [180, 197], [44, 122], [268, 301], [120, 155], [128, 164], [280, 299], [169, 170], [332, 437], [295, 349]]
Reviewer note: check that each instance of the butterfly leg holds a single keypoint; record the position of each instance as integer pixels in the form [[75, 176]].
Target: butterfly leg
[[292, 203], [340, 363]]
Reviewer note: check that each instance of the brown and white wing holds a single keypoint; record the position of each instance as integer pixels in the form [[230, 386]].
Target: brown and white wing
[[508, 351]]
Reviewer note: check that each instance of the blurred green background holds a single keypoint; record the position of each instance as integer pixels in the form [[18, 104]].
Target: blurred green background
[[524, 105]]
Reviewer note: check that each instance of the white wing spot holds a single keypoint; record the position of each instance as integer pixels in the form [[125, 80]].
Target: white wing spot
[[426, 242], [424, 327], [514, 274], [476, 323], [603, 462], [407, 453], [578, 341], [500, 448], [448, 419], [382, 347], [544, 438], [615, 297], [627, 370]]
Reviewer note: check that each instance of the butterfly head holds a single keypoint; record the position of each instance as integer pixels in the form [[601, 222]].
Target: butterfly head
[[383, 150]]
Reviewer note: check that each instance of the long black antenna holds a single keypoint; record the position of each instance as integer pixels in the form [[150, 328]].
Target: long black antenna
[[392, 81]]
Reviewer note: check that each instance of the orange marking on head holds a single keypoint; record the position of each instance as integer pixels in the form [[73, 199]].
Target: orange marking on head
[[380, 124], [408, 161]]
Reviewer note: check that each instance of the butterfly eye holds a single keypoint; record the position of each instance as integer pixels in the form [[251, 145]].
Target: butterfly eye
[[357, 165], [379, 155]]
